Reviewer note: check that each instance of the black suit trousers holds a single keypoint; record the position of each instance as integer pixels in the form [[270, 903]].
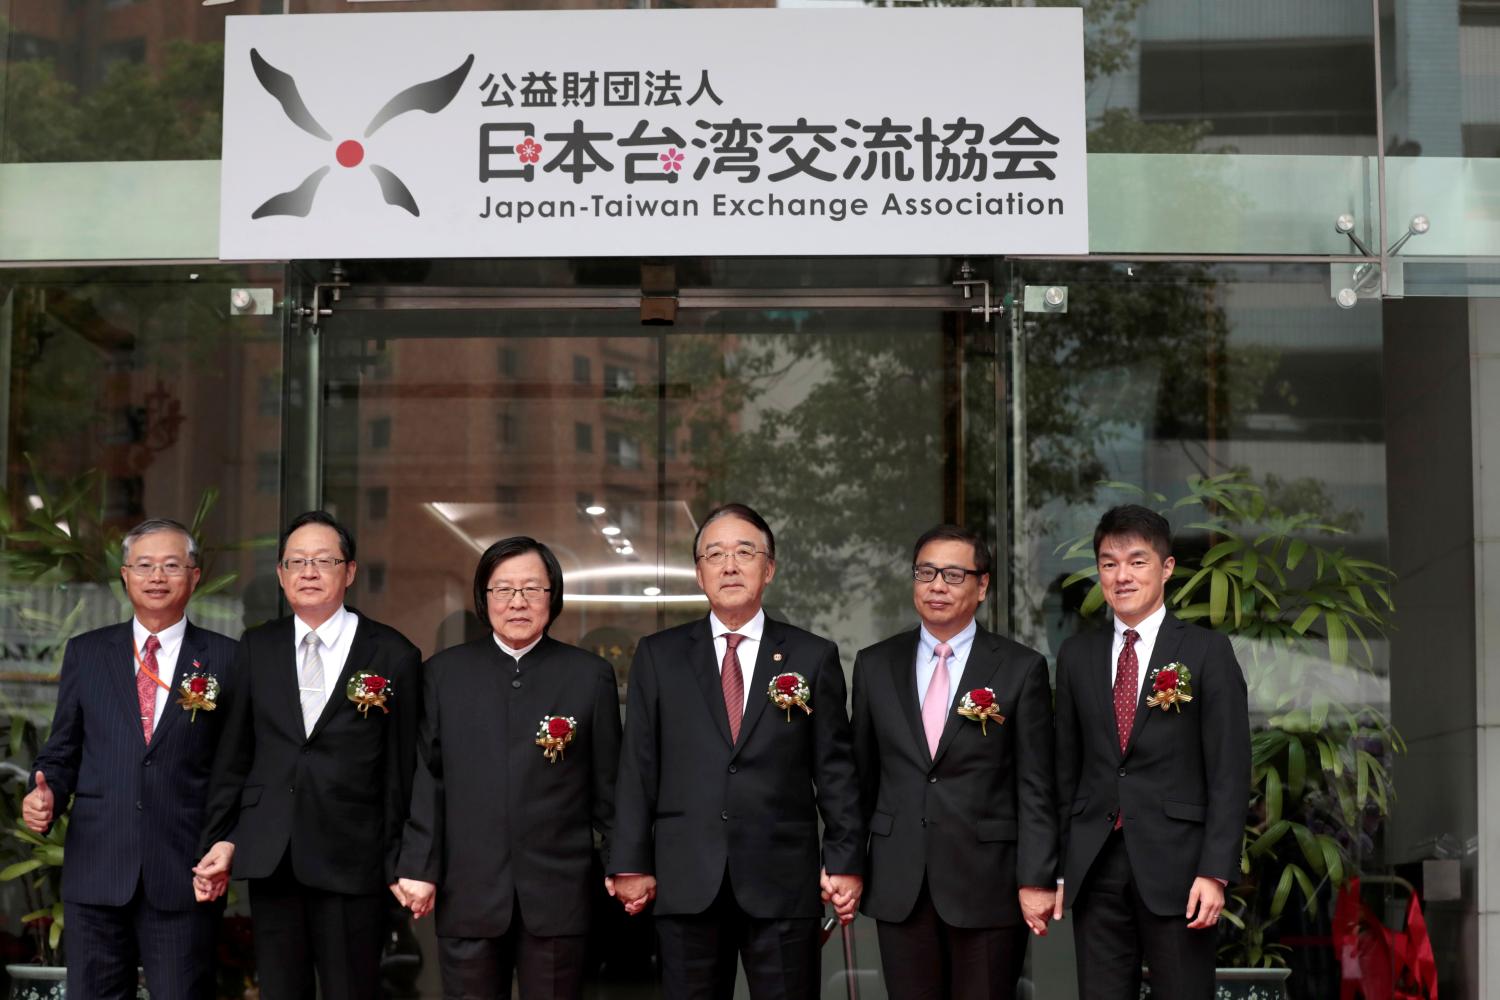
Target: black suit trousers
[[301, 932], [782, 957], [1113, 930], [548, 968], [107, 944], [924, 958]]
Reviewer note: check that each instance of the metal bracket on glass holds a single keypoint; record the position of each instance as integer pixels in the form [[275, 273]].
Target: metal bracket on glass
[[324, 295], [967, 282], [1046, 299], [251, 301], [1348, 283]]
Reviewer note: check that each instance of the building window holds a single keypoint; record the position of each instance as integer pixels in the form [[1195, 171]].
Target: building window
[[505, 428], [380, 433], [582, 369], [618, 381], [583, 437], [621, 450], [378, 502]]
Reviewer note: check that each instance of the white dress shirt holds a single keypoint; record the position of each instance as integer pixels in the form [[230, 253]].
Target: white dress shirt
[[335, 637], [515, 654], [1148, 631], [747, 650], [166, 658], [927, 660]]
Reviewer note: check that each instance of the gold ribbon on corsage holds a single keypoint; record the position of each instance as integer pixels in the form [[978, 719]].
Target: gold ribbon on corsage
[[554, 734], [1170, 687], [369, 691], [790, 691], [200, 691], [979, 705]]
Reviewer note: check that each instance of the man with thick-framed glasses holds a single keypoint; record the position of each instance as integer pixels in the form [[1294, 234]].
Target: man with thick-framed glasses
[[953, 737], [133, 735], [312, 782], [736, 743]]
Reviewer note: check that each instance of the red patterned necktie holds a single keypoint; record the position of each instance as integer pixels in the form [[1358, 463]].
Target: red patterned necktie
[[733, 684], [145, 685], [1127, 687], [1127, 691]]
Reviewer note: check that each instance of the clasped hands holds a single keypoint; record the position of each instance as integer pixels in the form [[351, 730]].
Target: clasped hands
[[635, 892]]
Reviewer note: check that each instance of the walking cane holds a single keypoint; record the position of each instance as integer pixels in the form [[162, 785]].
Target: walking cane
[[850, 978]]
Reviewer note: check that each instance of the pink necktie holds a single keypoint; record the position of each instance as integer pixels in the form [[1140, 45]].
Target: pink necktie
[[145, 685], [734, 685], [935, 704]]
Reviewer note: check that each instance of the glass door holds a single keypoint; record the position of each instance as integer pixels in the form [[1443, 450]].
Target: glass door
[[445, 418]]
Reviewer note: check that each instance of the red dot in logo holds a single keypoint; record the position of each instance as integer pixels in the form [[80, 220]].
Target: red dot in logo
[[350, 153]]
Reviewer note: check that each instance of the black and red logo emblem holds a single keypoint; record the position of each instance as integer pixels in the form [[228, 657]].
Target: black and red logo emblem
[[431, 97]]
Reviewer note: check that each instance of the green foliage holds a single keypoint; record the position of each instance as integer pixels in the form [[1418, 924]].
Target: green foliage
[[33, 859], [1302, 613], [133, 114]]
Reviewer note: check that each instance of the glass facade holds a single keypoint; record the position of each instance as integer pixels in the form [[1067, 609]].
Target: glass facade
[[1228, 327]]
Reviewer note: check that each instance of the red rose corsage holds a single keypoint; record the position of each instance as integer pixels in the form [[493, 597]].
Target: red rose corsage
[[369, 691], [1171, 687], [200, 691], [979, 705], [790, 691], [554, 734]]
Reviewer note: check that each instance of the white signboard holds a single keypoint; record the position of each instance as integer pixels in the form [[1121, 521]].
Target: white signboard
[[654, 133]]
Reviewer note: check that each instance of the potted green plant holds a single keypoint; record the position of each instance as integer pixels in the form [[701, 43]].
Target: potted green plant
[[1302, 613]]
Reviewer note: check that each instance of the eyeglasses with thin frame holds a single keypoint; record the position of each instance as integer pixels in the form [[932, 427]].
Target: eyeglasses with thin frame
[[147, 569], [953, 576], [322, 564], [505, 594], [742, 556]]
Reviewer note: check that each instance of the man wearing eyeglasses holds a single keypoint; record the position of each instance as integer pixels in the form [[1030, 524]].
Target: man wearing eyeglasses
[[736, 742], [953, 736], [135, 760], [312, 782]]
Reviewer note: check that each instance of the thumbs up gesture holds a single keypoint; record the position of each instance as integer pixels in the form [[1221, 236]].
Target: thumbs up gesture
[[36, 808]]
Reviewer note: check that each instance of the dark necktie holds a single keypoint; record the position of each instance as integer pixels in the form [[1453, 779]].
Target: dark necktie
[[733, 684], [1127, 688], [145, 685]]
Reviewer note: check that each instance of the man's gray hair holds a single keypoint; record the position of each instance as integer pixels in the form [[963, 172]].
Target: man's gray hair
[[151, 526]]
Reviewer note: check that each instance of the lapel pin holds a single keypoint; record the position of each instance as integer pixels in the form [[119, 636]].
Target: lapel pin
[[775, 657]]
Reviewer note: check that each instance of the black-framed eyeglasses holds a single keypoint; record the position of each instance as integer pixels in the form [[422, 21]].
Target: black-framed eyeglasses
[[952, 575], [147, 569], [743, 557], [322, 564], [529, 594]]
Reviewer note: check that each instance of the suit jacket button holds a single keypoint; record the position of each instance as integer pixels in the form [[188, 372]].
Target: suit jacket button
[[924, 822], [138, 805], [733, 769], [932, 779], [724, 815], [1122, 772], [515, 684], [147, 763]]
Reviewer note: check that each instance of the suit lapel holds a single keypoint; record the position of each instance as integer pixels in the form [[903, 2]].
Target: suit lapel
[[1168, 638], [903, 671], [979, 668], [359, 654], [121, 670], [770, 660], [703, 661], [284, 662]]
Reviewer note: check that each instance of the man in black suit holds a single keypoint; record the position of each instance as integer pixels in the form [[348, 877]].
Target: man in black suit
[[960, 807], [720, 789], [312, 781], [519, 742], [135, 758], [1153, 771]]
